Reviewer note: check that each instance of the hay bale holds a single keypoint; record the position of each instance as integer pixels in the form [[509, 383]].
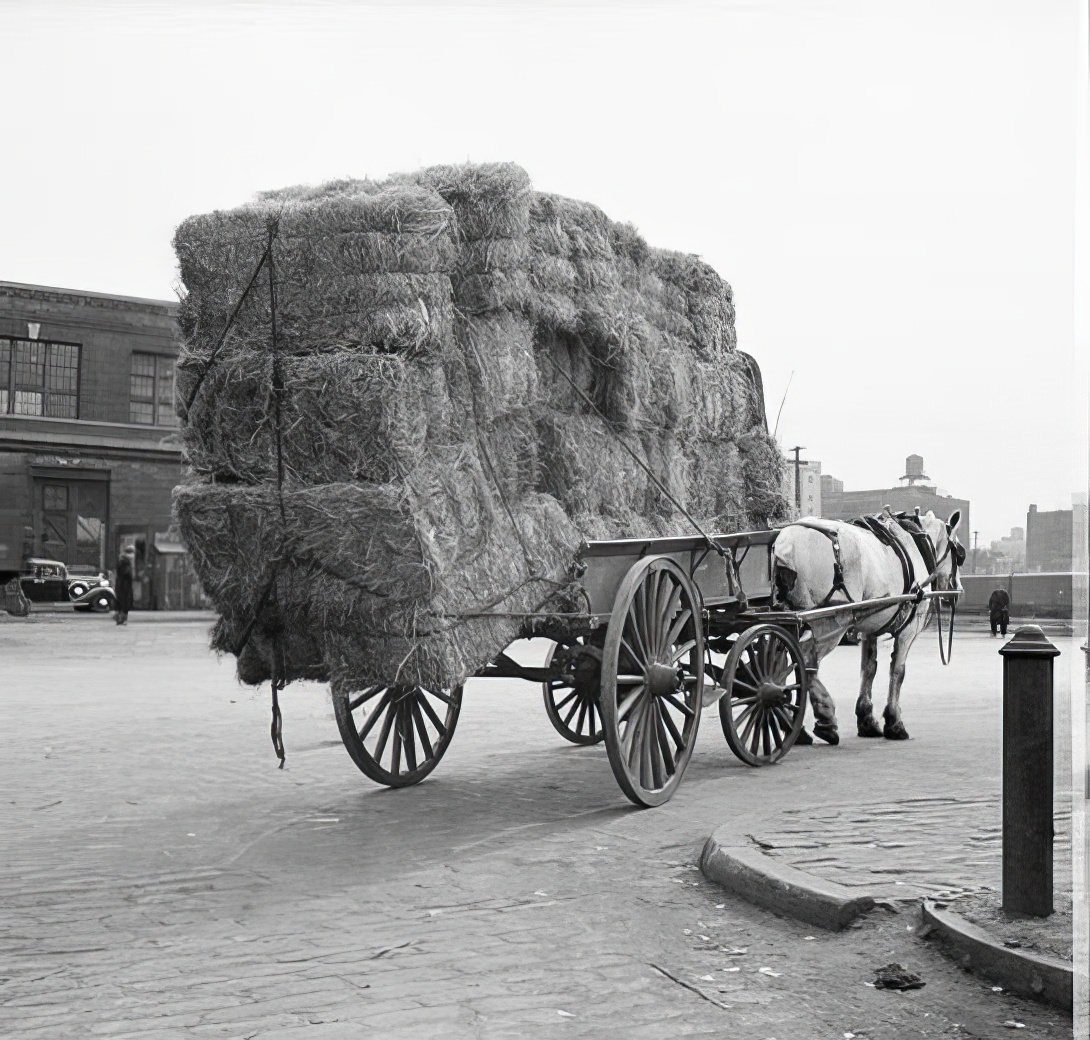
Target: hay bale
[[321, 633], [489, 200], [349, 416], [593, 472], [499, 357]]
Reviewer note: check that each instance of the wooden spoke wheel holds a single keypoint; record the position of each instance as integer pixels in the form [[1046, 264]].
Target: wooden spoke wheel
[[652, 679], [397, 734], [763, 708], [573, 709]]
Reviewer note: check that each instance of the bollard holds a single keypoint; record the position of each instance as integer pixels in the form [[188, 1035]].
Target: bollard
[[1027, 772]]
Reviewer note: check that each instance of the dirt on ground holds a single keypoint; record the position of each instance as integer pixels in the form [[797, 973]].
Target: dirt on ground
[[1047, 936]]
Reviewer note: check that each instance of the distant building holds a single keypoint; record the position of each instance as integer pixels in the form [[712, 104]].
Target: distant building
[[803, 498], [913, 492], [1054, 537], [89, 447], [830, 485], [1005, 555]]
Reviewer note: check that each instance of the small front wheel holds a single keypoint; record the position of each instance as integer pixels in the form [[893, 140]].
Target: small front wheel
[[396, 735], [765, 701], [572, 706]]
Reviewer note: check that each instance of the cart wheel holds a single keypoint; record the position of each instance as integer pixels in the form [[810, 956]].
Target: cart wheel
[[397, 734], [763, 708], [572, 711], [652, 679]]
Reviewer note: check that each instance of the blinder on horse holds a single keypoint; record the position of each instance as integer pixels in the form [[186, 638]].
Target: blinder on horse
[[959, 553]]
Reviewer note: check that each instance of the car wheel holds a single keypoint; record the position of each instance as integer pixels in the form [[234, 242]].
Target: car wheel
[[75, 591], [101, 603]]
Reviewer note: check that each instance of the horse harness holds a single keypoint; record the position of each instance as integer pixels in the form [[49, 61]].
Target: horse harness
[[883, 526]]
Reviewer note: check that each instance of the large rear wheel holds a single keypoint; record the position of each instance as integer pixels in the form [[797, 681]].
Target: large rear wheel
[[396, 735], [652, 679]]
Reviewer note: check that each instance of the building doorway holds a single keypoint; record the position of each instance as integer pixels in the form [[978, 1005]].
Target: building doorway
[[71, 518]]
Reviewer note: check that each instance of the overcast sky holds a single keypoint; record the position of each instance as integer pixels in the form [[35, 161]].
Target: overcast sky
[[889, 187]]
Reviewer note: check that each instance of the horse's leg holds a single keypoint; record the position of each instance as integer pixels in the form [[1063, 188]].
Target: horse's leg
[[866, 723], [895, 728], [825, 725]]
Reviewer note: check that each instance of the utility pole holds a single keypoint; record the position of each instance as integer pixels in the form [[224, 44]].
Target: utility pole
[[798, 484], [976, 539]]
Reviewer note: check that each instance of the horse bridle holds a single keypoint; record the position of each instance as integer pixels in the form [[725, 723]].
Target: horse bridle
[[959, 558]]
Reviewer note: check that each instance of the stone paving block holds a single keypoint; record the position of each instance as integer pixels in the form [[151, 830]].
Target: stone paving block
[[291, 1004], [243, 1027], [318, 1031], [155, 1033]]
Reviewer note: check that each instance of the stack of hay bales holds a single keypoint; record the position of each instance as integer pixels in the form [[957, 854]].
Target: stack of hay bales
[[438, 421]]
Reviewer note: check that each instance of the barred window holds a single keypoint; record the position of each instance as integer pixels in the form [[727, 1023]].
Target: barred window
[[151, 390], [39, 377]]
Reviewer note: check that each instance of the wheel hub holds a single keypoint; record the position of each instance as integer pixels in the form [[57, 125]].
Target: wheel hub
[[660, 679], [586, 672], [769, 695]]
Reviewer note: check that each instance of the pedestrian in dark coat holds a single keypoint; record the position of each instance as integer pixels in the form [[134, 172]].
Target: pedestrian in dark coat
[[123, 584], [999, 610]]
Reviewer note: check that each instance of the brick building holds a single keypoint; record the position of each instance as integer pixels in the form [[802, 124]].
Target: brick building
[[1054, 537], [915, 490], [89, 451]]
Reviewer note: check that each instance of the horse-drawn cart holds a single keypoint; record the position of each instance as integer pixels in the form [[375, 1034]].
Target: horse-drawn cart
[[670, 625]]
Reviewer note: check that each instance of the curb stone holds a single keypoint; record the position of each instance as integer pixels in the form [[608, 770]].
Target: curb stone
[[1027, 974], [747, 872], [738, 867]]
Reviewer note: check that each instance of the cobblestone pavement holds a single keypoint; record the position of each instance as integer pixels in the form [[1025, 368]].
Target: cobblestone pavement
[[167, 880]]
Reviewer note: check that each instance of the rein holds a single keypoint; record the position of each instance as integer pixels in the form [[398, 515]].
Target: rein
[[946, 656]]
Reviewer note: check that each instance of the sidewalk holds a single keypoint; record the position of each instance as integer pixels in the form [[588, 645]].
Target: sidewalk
[[922, 826]]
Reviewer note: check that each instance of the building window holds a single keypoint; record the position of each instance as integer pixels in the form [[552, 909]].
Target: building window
[[39, 377], [151, 390]]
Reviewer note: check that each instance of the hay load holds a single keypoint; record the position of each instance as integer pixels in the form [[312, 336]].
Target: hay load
[[403, 416]]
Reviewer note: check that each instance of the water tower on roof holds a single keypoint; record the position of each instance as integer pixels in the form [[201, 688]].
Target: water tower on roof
[[914, 473]]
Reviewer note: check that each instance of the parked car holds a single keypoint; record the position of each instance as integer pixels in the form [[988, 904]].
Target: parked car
[[49, 581]]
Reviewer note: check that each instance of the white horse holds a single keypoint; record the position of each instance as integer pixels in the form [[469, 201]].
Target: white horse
[[818, 563]]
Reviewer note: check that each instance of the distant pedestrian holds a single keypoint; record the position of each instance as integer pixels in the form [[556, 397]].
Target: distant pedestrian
[[123, 584], [999, 611]]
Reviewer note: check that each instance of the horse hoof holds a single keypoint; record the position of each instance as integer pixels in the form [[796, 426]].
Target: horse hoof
[[804, 739], [868, 727], [896, 731], [827, 733]]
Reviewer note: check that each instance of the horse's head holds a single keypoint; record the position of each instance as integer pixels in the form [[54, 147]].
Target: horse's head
[[949, 552]]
